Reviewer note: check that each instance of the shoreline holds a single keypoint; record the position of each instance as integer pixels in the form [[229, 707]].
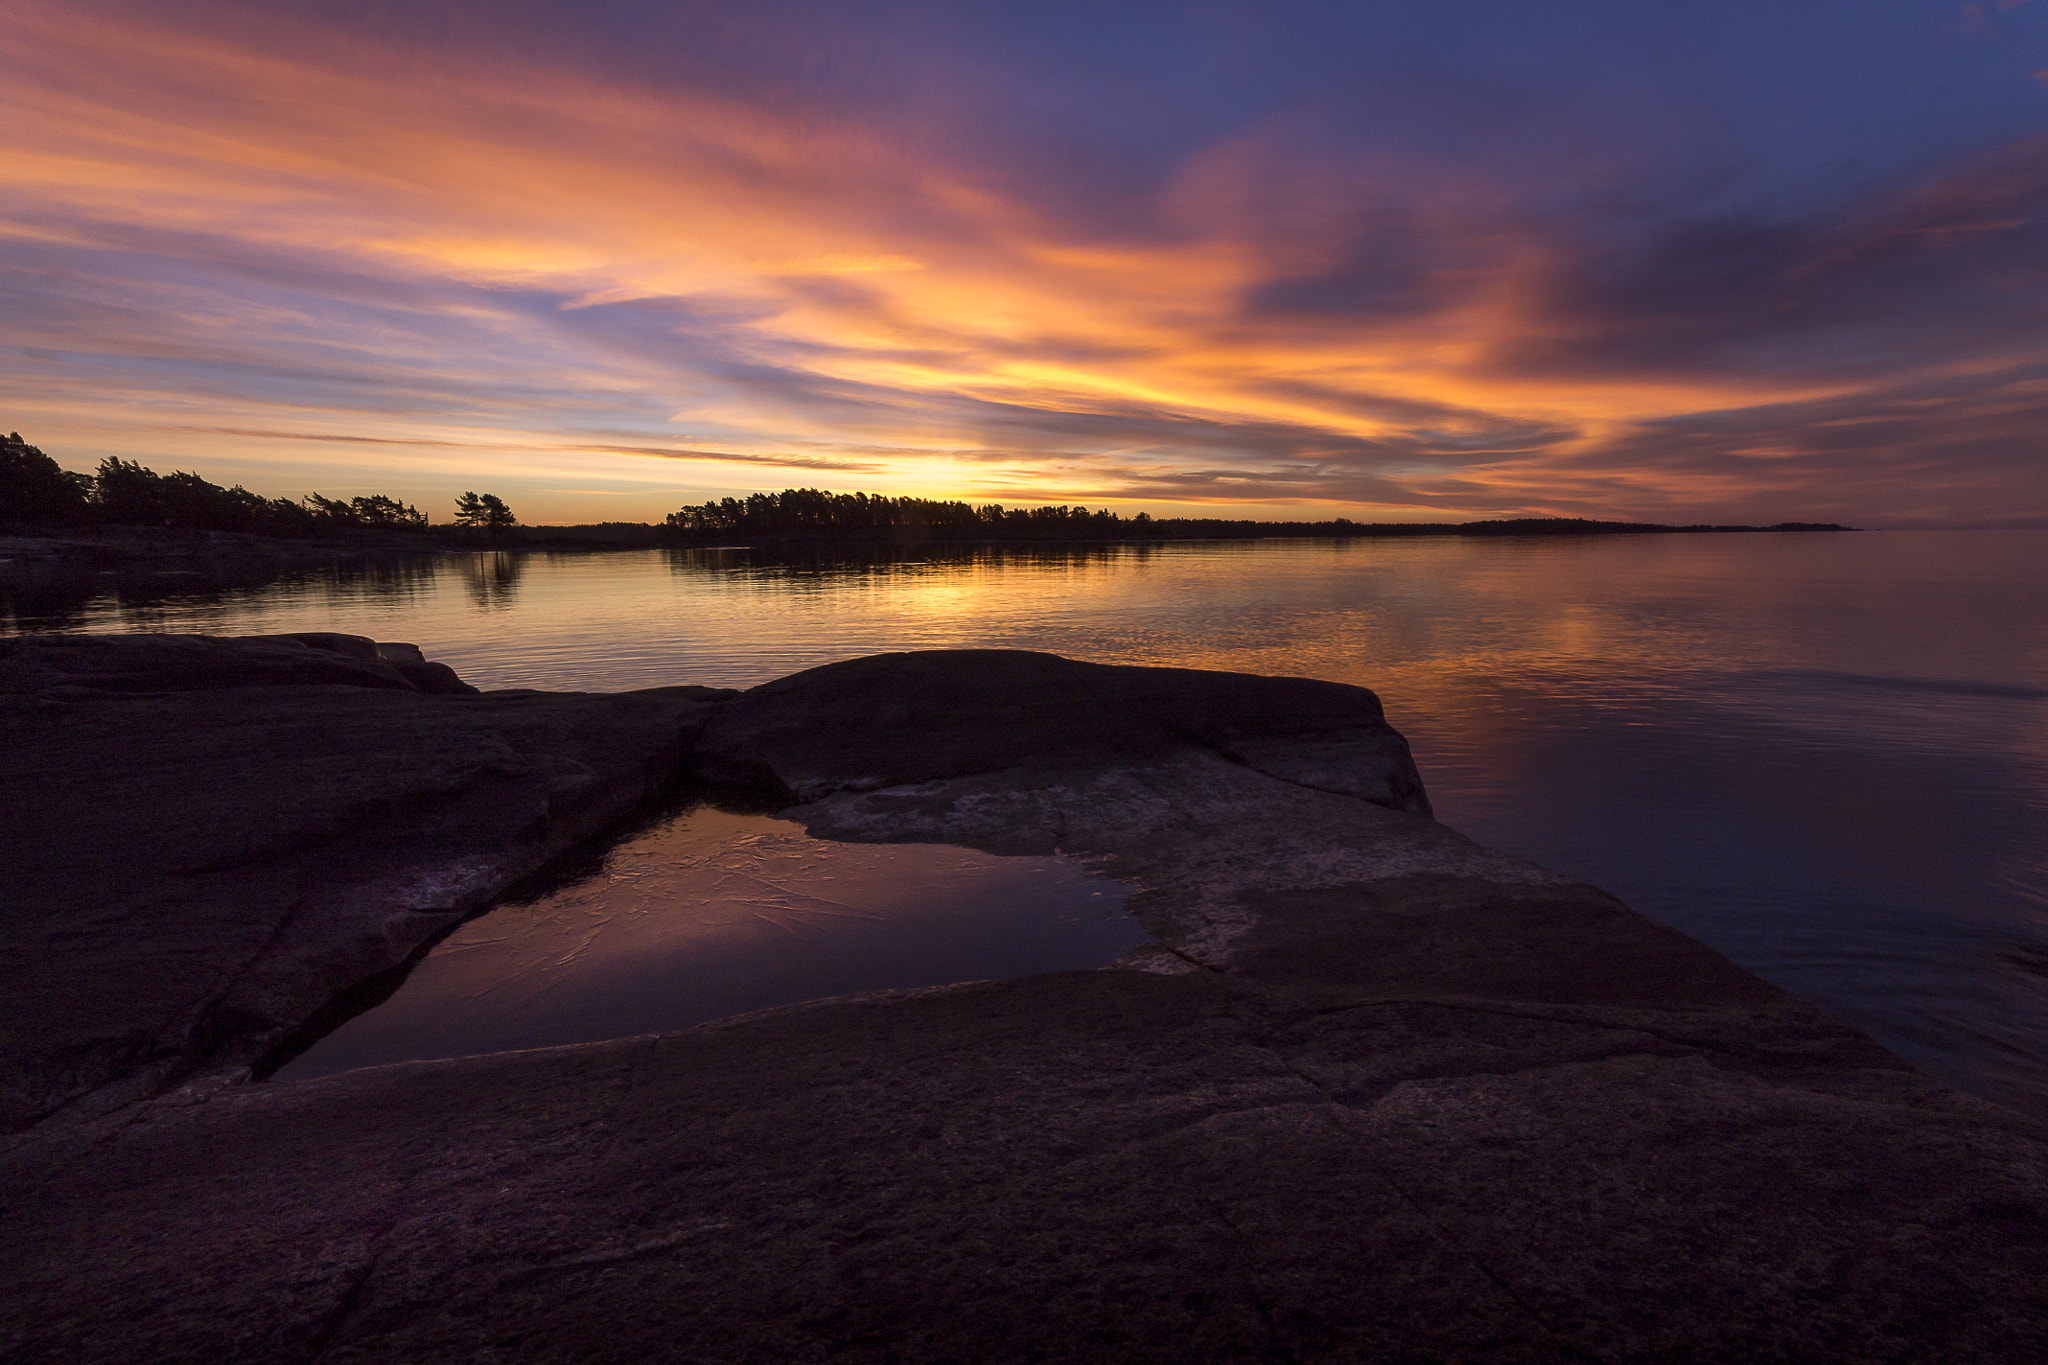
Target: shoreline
[[118, 546]]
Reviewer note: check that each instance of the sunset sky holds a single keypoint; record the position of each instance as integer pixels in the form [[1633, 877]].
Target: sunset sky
[[1740, 261]]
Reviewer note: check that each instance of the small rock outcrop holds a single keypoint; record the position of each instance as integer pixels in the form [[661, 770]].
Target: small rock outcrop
[[188, 663], [903, 718]]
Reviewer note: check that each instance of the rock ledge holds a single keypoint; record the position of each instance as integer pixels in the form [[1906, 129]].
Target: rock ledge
[[1379, 1093]]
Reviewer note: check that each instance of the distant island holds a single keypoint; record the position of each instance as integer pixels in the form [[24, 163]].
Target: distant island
[[810, 516]]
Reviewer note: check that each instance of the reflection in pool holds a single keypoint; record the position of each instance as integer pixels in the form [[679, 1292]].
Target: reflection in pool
[[709, 913]]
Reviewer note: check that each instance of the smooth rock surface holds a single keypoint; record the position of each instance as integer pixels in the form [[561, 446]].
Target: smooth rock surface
[[1082, 1167], [206, 840], [1379, 1094], [56, 665], [902, 718]]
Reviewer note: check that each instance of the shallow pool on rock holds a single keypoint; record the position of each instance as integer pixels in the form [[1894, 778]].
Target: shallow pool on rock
[[707, 913]]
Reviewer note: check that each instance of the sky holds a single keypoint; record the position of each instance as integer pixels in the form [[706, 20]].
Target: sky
[[1744, 261]]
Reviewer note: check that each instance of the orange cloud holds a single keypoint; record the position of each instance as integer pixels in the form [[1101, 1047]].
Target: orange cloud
[[464, 253]]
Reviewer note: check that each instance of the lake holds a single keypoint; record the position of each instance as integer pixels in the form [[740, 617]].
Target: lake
[[1825, 755]]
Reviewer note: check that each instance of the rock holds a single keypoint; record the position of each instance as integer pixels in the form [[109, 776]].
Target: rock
[[207, 839], [182, 663], [1106, 1166], [434, 679], [906, 718], [353, 646], [1379, 1093]]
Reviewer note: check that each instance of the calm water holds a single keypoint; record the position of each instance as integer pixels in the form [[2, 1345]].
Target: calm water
[[1825, 755], [708, 913]]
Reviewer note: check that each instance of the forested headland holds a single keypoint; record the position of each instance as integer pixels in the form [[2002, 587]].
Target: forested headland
[[36, 491], [810, 515]]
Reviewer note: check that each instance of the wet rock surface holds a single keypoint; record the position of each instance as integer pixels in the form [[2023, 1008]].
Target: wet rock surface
[[1379, 1094]]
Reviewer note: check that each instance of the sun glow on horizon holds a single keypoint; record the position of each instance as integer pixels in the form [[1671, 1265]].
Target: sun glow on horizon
[[335, 259]]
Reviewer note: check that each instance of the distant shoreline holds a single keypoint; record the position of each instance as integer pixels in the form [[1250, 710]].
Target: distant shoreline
[[113, 547], [917, 537]]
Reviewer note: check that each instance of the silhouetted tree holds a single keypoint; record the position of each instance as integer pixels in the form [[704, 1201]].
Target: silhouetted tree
[[333, 511], [125, 493], [485, 512], [33, 488], [378, 510], [808, 511], [191, 502]]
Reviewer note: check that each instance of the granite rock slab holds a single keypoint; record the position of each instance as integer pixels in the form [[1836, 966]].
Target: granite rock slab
[[892, 719], [1376, 1093], [1106, 1166], [206, 840]]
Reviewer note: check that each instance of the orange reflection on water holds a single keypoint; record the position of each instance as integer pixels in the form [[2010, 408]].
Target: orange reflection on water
[[709, 913]]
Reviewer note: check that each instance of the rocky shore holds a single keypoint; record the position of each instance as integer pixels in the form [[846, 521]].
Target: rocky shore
[[1377, 1093]]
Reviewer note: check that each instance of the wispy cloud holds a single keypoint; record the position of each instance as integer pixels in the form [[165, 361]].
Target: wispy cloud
[[316, 436], [1174, 260], [733, 457]]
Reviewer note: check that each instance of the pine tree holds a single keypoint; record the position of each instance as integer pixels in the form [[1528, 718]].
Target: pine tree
[[485, 512]]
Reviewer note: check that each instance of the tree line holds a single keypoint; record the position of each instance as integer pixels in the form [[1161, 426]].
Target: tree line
[[36, 490], [810, 514]]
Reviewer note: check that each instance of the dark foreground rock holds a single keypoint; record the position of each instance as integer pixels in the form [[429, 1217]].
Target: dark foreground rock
[[206, 840], [1379, 1094]]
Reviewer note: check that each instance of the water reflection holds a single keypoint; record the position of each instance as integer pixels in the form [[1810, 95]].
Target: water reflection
[[842, 561], [709, 913], [197, 591], [493, 579], [949, 571]]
